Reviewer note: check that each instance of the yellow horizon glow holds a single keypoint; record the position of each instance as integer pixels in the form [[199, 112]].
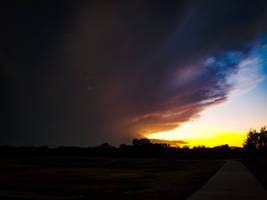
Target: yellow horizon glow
[[232, 140], [196, 134]]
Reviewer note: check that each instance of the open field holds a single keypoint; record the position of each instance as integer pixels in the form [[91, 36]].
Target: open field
[[103, 178]]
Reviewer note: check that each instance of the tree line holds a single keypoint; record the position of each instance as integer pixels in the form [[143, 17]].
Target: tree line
[[254, 145]]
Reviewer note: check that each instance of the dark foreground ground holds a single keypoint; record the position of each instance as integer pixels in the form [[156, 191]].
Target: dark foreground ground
[[103, 178], [258, 167]]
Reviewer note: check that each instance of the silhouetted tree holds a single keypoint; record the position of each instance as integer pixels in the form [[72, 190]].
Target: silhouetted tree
[[256, 140], [105, 146], [142, 141], [135, 142]]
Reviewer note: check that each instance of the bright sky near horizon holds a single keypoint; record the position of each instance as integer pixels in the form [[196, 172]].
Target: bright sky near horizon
[[229, 122]]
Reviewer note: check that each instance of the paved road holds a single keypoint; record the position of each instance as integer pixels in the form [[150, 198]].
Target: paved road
[[232, 181]]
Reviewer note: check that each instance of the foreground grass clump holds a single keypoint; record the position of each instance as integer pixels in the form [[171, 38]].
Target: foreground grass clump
[[103, 178]]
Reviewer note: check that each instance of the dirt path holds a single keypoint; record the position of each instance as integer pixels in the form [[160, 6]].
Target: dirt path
[[232, 181]]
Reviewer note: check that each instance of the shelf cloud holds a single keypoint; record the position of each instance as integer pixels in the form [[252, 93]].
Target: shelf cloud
[[86, 73]]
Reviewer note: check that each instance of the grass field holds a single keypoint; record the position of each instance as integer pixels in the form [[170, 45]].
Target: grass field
[[103, 178]]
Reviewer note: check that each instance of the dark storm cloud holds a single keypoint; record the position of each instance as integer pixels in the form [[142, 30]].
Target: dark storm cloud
[[88, 72]]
